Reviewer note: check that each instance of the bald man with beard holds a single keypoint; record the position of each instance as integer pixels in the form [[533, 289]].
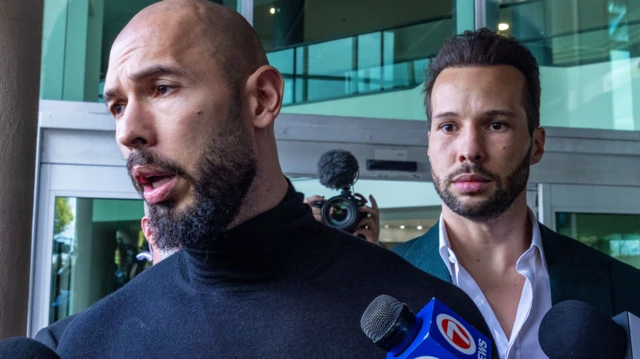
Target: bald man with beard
[[194, 101]]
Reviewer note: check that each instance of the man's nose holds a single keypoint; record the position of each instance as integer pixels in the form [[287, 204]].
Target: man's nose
[[471, 146], [135, 129]]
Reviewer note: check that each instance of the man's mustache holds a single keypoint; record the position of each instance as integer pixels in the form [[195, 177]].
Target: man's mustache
[[144, 157], [472, 169]]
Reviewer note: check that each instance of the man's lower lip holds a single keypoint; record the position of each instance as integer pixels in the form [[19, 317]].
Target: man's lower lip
[[160, 193], [471, 186]]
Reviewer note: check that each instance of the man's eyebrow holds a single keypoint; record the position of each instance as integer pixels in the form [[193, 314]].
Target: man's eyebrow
[[496, 113], [445, 115], [156, 70], [108, 95]]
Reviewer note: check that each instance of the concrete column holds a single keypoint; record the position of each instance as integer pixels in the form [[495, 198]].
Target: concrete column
[[20, 43]]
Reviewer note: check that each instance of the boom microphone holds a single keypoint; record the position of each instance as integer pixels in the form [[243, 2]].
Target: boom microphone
[[337, 169], [436, 332], [25, 348], [576, 330]]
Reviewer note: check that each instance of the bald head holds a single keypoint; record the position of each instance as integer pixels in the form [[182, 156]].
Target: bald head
[[195, 102], [218, 31]]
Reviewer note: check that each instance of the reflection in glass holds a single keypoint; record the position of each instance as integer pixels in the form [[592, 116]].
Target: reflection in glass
[[588, 54], [95, 242], [617, 235]]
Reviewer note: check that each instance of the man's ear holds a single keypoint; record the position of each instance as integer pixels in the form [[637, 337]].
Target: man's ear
[[537, 148], [146, 229], [264, 89]]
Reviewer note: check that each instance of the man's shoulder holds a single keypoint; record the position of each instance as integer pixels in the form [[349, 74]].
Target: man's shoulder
[[122, 304], [347, 245], [366, 261], [423, 251], [622, 278], [403, 249], [565, 246]]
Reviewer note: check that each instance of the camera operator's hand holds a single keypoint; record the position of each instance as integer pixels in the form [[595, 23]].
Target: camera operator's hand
[[317, 212], [369, 227]]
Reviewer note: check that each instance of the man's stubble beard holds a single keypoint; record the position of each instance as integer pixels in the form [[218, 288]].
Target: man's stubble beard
[[494, 206]]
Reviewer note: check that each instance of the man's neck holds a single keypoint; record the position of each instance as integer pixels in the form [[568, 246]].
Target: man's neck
[[494, 246], [265, 193]]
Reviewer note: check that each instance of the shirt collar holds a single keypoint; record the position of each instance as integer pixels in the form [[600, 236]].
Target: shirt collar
[[446, 251]]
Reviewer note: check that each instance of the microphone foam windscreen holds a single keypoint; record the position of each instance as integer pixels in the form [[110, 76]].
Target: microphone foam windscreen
[[25, 348], [380, 316], [576, 330], [337, 169]]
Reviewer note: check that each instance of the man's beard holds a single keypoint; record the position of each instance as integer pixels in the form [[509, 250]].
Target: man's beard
[[494, 206], [226, 169]]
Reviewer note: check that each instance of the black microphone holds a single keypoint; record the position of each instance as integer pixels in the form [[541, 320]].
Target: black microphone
[[337, 169], [436, 332], [576, 330], [25, 348]]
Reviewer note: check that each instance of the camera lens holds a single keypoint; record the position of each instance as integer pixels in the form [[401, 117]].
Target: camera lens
[[340, 213]]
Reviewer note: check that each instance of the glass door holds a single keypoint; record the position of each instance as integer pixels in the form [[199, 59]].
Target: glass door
[[606, 218], [87, 237], [95, 243]]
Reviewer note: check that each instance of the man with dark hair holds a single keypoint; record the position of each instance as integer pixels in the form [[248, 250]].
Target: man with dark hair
[[194, 101], [482, 97]]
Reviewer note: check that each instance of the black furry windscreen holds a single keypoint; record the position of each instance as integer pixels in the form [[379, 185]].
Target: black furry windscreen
[[337, 169]]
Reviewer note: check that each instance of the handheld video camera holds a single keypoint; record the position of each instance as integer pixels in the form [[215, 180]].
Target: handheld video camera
[[338, 169]]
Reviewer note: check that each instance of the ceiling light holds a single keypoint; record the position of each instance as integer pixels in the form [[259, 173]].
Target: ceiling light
[[503, 26], [419, 228], [273, 11], [386, 226], [402, 226]]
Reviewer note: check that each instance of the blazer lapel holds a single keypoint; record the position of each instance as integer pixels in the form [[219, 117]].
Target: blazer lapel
[[425, 254], [573, 275]]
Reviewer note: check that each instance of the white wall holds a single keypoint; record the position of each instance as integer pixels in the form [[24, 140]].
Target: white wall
[[403, 104]]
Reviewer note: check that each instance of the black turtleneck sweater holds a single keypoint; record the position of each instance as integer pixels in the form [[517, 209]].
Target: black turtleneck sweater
[[280, 285]]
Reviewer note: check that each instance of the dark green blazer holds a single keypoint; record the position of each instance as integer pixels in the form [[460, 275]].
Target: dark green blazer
[[576, 271]]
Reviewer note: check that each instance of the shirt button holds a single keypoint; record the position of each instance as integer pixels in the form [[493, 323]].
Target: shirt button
[[452, 259]]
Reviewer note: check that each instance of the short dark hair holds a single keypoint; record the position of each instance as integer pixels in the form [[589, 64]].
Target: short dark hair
[[486, 48]]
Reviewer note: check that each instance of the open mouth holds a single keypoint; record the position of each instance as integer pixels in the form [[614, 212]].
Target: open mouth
[[156, 186], [154, 181]]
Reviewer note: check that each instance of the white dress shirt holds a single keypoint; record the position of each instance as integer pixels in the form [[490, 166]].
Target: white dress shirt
[[535, 300]]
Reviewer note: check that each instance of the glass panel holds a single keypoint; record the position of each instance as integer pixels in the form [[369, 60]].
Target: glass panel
[[95, 242], [588, 51], [286, 23], [286, 65], [328, 66], [364, 63], [368, 76], [76, 40], [617, 235]]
